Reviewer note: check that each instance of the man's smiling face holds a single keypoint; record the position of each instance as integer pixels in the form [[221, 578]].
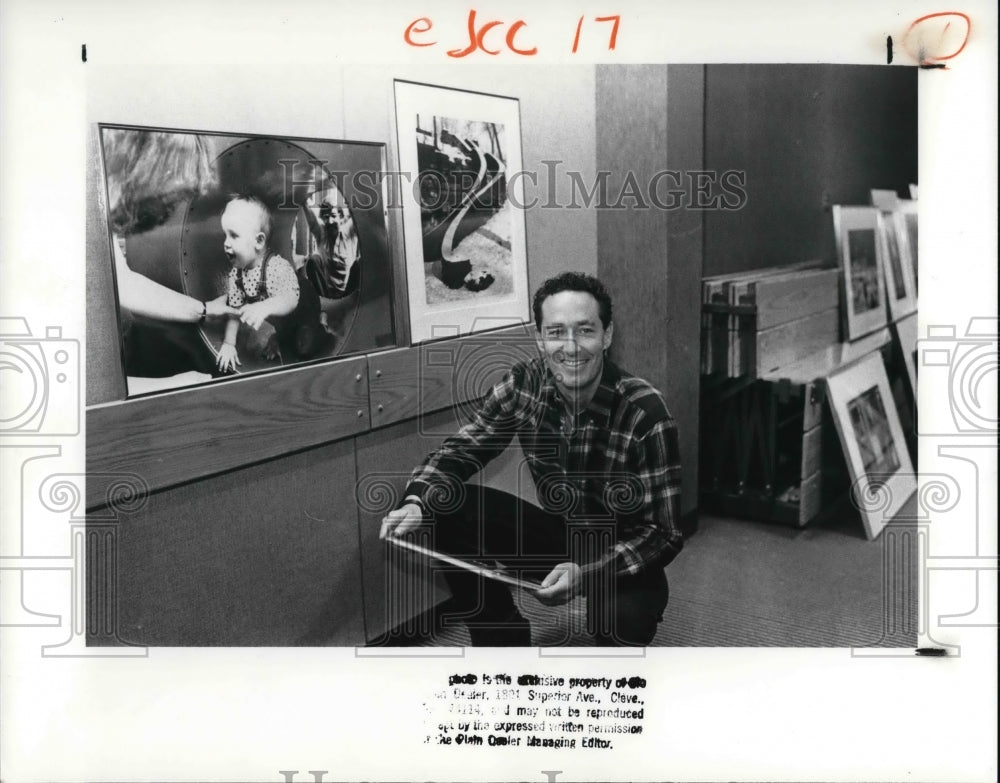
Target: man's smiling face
[[573, 340]]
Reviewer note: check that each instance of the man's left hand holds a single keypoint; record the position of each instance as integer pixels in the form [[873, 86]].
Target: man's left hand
[[562, 585]]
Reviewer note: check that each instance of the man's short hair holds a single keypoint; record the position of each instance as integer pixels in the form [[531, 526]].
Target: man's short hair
[[266, 220], [574, 281]]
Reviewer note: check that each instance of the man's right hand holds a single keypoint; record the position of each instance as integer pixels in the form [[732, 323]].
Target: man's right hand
[[403, 519]]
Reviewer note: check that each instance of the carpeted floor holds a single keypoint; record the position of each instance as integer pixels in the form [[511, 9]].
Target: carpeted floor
[[740, 583]]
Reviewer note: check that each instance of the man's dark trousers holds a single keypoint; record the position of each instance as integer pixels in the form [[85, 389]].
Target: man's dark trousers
[[490, 525]]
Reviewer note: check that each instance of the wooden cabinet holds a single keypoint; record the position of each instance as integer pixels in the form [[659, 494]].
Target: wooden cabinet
[[267, 555]]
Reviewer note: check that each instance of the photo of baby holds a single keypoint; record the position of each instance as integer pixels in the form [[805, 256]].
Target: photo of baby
[[243, 254], [264, 287]]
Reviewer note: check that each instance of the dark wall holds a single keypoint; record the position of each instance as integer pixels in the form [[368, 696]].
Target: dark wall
[[807, 136]]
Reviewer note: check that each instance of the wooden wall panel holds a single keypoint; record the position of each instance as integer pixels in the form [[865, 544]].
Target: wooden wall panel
[[263, 556], [168, 439], [416, 381], [385, 459]]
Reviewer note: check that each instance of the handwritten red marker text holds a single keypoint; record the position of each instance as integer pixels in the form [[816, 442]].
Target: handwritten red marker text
[[495, 36]]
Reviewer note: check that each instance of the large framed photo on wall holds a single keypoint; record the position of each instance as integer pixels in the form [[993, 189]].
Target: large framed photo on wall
[[463, 218], [237, 254]]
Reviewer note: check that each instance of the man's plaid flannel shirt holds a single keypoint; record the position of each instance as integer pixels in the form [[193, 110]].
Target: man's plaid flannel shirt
[[615, 464]]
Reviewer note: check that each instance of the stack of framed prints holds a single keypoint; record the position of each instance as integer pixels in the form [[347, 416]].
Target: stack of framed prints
[[897, 226], [876, 251]]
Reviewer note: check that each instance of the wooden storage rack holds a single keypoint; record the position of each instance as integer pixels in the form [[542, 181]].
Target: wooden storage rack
[[769, 449]]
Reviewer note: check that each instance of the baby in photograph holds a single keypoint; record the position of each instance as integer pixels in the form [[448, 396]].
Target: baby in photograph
[[263, 286]]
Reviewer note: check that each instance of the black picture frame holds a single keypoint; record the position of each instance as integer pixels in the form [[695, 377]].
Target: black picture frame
[[165, 192]]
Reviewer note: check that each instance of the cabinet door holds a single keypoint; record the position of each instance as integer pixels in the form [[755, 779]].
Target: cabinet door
[[265, 555], [397, 588]]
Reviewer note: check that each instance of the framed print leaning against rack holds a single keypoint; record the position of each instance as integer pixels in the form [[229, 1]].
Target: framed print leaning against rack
[[872, 439], [899, 293], [463, 215], [859, 249]]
